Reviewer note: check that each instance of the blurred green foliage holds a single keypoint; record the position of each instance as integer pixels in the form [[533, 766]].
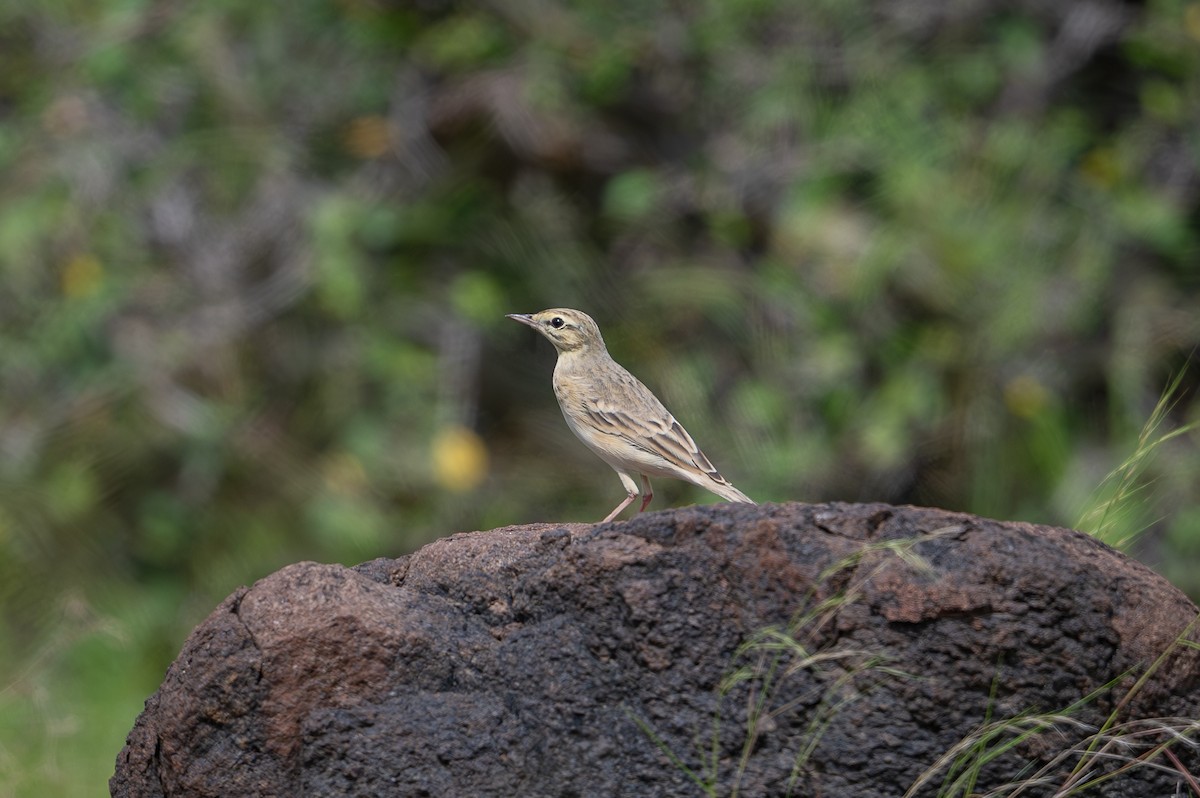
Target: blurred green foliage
[[255, 265]]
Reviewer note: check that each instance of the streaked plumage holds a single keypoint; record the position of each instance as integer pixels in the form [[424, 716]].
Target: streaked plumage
[[616, 416]]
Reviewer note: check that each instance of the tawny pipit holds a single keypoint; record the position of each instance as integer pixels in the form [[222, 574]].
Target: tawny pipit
[[616, 416]]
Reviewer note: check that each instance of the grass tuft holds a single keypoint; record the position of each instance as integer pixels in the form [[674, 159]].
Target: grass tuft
[[1112, 512], [1115, 748]]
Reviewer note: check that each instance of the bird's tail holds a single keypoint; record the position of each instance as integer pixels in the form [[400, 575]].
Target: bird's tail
[[729, 492]]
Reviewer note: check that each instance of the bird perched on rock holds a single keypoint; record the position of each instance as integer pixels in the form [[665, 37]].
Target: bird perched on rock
[[616, 416]]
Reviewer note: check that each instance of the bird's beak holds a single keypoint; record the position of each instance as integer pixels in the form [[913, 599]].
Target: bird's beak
[[524, 318]]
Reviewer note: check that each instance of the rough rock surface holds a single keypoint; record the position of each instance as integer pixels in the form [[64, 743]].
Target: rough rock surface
[[612, 659]]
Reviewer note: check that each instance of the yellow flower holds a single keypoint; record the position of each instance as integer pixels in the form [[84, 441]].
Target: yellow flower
[[368, 137], [82, 276], [1025, 396], [460, 459]]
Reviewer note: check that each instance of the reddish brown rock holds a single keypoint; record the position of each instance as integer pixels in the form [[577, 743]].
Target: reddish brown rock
[[568, 659]]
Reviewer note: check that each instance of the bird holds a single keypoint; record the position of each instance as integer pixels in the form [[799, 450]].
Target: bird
[[616, 416]]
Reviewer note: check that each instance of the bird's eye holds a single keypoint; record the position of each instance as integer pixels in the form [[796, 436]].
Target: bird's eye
[[557, 322]]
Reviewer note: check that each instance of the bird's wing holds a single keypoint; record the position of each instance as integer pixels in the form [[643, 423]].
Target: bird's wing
[[657, 433]]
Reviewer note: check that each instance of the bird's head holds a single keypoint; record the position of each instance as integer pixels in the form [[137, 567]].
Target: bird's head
[[569, 330]]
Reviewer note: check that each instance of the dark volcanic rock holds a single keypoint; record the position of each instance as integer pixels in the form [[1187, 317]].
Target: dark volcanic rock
[[567, 660]]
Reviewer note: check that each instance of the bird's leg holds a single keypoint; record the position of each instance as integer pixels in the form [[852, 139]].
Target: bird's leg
[[617, 510], [631, 489], [647, 493]]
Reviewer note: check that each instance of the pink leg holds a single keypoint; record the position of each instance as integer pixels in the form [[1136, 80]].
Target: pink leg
[[619, 508], [631, 491], [647, 493]]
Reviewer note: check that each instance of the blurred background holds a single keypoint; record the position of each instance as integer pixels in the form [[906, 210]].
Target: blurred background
[[255, 264]]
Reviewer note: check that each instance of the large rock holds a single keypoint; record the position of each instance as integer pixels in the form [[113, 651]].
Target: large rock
[[832, 650]]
